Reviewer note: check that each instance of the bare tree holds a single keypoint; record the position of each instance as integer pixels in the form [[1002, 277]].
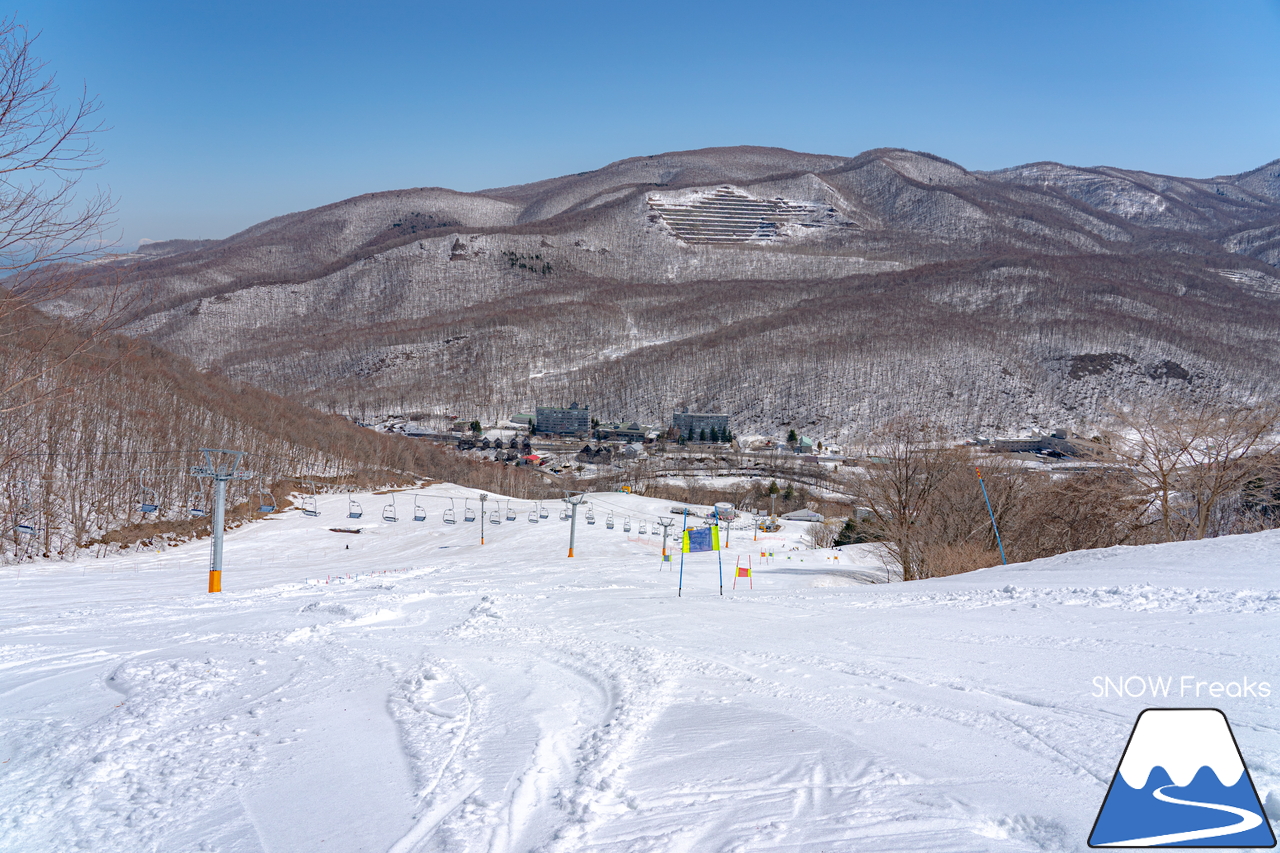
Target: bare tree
[[49, 227], [822, 534], [46, 146], [1233, 446], [1191, 458], [1071, 512], [908, 465], [1154, 442]]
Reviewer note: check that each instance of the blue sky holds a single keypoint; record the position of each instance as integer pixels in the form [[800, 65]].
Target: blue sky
[[223, 114]]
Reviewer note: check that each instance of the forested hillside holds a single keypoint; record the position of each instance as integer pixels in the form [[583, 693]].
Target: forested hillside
[[787, 289], [89, 430]]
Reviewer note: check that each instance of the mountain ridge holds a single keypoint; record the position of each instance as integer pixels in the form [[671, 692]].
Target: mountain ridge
[[434, 300]]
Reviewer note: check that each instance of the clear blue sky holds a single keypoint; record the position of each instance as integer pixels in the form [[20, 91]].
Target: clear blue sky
[[226, 113]]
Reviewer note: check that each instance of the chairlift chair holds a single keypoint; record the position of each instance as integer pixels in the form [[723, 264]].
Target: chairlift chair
[[389, 511], [309, 507], [591, 515], [468, 514], [543, 512], [495, 517], [511, 512], [608, 521], [20, 526], [354, 510], [533, 516], [642, 531], [564, 513], [26, 528], [195, 509], [419, 511], [148, 500], [266, 502], [450, 517], [626, 524]]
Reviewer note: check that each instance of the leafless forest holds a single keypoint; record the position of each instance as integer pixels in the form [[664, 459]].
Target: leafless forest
[[106, 427], [886, 283]]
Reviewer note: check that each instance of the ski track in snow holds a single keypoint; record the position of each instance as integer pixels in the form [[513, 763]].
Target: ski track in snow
[[506, 699]]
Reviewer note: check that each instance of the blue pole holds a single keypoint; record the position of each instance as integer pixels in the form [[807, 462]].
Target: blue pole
[[999, 544], [680, 588], [719, 557]]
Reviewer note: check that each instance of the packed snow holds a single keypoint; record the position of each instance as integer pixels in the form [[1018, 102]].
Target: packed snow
[[405, 689]]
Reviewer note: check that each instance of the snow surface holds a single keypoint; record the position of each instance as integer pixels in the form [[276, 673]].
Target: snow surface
[[455, 697]]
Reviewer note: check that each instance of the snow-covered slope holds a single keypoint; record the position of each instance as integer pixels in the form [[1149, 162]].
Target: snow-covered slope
[[449, 696]]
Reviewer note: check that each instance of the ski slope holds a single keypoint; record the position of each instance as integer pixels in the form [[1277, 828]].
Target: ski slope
[[455, 697]]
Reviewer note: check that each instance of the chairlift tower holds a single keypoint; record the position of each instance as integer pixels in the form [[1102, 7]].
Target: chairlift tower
[[573, 500], [221, 466], [666, 529]]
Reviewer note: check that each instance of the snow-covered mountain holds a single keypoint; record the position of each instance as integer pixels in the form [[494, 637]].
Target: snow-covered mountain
[[407, 689], [785, 288]]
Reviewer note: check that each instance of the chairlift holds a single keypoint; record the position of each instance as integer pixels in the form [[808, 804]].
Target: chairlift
[[354, 510], [495, 517], [511, 512], [591, 515], [20, 526], [309, 507], [194, 507], [533, 516], [266, 500], [543, 512], [564, 512], [450, 517], [608, 522], [468, 513], [389, 511], [419, 511], [641, 531], [148, 500], [626, 524]]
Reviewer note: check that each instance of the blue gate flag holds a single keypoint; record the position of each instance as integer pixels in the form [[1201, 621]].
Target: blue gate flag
[[700, 539]]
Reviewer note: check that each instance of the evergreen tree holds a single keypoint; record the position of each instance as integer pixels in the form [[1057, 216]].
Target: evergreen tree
[[850, 534], [792, 438], [715, 435], [789, 494], [702, 435], [773, 488]]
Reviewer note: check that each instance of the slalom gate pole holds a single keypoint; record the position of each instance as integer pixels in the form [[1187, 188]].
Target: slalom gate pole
[[720, 563], [680, 587], [991, 513]]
